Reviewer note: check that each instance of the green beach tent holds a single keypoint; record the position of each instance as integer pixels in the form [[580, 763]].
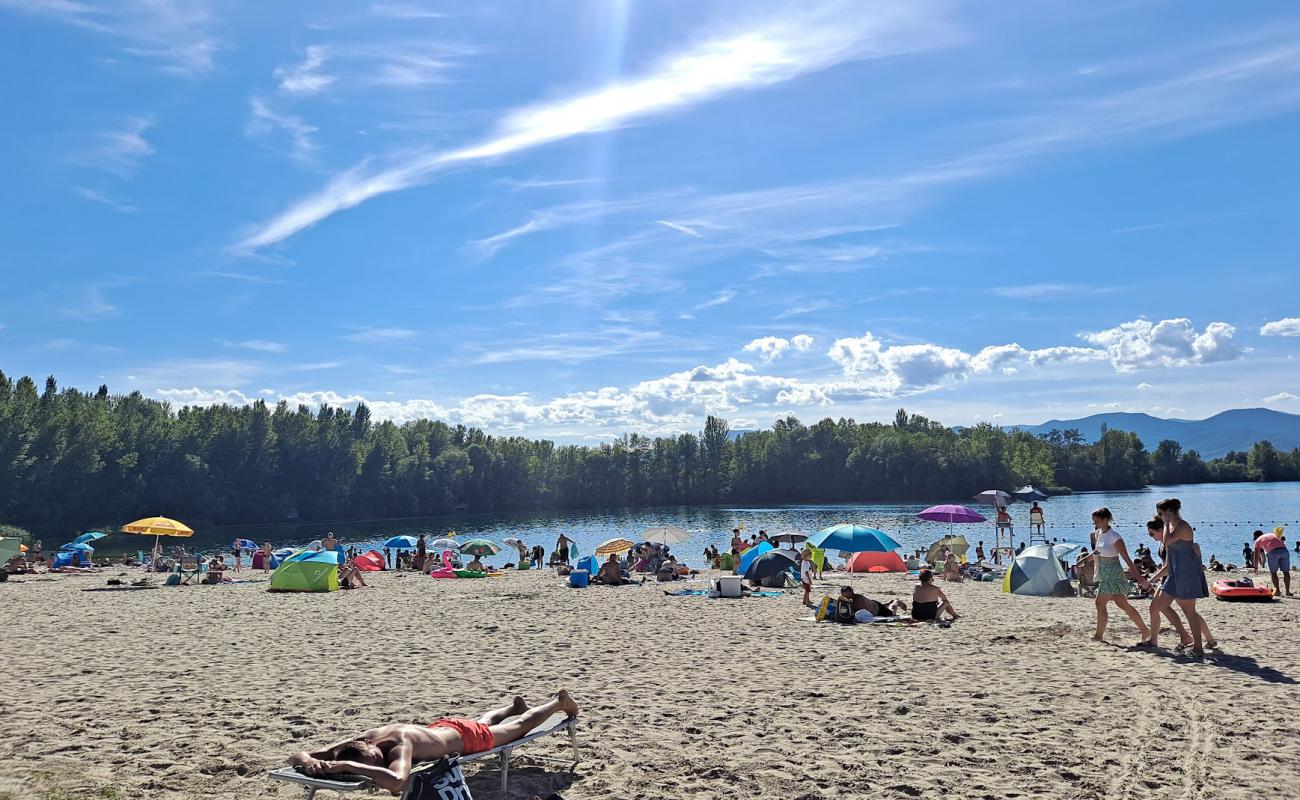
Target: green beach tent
[[307, 571]]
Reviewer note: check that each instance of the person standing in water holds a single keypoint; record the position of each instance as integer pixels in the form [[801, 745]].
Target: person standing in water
[[1181, 578], [1108, 550]]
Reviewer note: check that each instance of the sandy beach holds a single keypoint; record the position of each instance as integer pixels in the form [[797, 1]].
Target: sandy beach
[[197, 691]]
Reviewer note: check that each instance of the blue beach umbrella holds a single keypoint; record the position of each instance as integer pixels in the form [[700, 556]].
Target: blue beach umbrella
[[82, 546], [852, 538], [401, 543], [88, 537], [246, 544]]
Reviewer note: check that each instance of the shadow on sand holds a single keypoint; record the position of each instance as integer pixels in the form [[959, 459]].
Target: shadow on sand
[[1246, 665]]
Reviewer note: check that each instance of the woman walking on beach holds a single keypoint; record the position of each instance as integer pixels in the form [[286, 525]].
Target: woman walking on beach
[[1183, 577], [1156, 530], [1108, 549]]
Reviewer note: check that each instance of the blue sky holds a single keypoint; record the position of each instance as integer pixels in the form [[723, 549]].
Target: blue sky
[[575, 219]]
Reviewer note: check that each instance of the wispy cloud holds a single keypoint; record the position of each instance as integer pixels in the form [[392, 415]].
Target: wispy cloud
[[680, 228], [118, 150], [304, 77], [573, 348], [104, 200], [405, 11], [380, 335], [260, 345], [89, 303], [542, 183], [720, 299], [776, 50], [243, 277], [171, 33], [1038, 291], [264, 121]]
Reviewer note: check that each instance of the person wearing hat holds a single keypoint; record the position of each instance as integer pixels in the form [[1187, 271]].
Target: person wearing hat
[[1271, 549]]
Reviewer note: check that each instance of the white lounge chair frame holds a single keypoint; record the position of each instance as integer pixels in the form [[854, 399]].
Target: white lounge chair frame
[[356, 784]]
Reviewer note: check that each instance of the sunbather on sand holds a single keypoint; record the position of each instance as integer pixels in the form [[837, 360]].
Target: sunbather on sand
[[928, 601], [865, 609], [385, 754], [611, 572]]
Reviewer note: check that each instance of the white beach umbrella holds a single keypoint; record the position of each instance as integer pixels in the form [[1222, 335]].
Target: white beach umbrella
[[665, 535]]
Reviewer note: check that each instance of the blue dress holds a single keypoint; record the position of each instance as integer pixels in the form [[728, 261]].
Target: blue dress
[[1186, 578]]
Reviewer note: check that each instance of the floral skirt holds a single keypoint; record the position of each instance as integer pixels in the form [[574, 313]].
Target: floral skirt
[[1110, 577]]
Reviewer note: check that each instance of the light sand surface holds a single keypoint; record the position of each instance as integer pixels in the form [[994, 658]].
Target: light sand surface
[[197, 691]]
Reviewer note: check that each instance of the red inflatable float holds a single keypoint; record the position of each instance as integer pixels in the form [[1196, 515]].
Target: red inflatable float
[[1233, 590], [877, 562]]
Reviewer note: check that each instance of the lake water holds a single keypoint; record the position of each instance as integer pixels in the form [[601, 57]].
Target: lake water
[[1224, 516]]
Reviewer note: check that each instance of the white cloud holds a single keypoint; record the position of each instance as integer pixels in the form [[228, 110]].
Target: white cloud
[[264, 121], [720, 299], [261, 345], [119, 150], [1039, 291], [1288, 326], [680, 228], [304, 78], [802, 342], [172, 33], [769, 348], [773, 51], [89, 303], [1281, 397], [404, 11], [1144, 385], [103, 199], [1142, 344], [380, 335]]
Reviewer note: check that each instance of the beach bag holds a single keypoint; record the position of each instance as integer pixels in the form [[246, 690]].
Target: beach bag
[[844, 612], [441, 780]]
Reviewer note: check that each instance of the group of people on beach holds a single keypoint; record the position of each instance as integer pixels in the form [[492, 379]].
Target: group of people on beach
[[1175, 584]]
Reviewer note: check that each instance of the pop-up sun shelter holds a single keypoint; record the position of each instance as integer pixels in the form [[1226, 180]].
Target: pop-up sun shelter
[[1036, 571], [372, 561], [876, 562], [307, 571]]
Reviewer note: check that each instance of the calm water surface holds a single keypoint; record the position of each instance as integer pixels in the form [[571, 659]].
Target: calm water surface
[[1224, 516]]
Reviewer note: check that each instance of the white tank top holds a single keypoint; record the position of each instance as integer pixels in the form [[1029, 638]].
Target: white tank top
[[1107, 544]]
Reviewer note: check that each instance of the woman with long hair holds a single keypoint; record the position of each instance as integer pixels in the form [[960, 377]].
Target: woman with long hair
[[1181, 578], [1108, 550]]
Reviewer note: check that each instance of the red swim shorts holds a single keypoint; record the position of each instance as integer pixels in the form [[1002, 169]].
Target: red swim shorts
[[475, 736]]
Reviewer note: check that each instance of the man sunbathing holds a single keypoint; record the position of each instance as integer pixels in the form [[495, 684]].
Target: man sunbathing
[[385, 754]]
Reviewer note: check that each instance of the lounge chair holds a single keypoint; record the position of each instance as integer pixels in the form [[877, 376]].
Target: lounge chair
[[354, 783]]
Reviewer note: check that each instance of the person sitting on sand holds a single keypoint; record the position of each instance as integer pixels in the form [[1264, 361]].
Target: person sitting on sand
[[475, 565], [350, 577], [928, 601], [1215, 564], [610, 573], [385, 754], [951, 569], [865, 609]]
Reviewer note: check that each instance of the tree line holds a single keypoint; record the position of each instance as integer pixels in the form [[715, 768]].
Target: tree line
[[69, 457]]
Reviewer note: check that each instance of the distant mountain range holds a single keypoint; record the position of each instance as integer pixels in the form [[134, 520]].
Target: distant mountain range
[[1237, 429]]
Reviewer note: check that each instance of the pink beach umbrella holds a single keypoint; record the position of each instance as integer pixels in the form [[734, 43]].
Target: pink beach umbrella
[[950, 514]]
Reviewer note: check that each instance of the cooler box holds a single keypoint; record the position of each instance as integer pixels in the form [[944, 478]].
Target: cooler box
[[579, 578], [730, 586]]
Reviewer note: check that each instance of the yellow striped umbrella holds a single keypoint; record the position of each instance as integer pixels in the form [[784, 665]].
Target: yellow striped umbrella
[[616, 545]]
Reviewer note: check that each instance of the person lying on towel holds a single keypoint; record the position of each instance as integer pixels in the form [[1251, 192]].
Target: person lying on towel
[[385, 754], [865, 609]]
